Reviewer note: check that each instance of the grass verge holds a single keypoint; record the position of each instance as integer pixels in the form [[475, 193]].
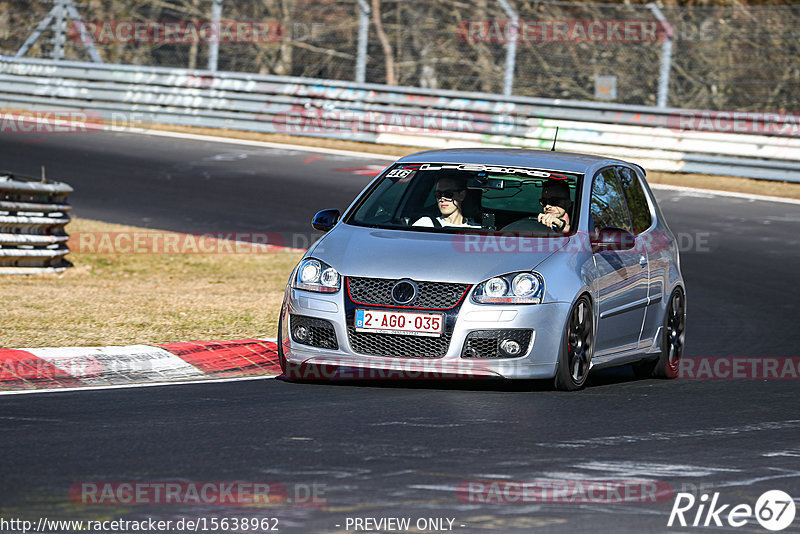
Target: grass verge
[[123, 299]]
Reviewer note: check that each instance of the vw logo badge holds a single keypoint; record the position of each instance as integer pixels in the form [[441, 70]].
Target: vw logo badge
[[404, 292]]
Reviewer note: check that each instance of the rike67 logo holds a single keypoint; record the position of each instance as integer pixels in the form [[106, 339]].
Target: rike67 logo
[[774, 510]]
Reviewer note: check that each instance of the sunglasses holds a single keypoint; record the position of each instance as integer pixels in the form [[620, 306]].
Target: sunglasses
[[552, 201], [447, 193]]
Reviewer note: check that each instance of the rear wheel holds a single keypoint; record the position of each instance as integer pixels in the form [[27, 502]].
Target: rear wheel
[[577, 347], [673, 335]]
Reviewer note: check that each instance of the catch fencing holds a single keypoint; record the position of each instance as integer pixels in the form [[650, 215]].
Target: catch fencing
[[119, 97], [33, 214], [739, 56]]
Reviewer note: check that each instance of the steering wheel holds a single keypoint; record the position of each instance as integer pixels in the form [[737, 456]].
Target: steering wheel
[[528, 224]]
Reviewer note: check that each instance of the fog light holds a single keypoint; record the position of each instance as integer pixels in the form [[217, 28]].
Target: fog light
[[301, 333], [510, 347]]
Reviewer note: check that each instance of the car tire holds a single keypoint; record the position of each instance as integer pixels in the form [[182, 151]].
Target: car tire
[[673, 334], [577, 347], [644, 368]]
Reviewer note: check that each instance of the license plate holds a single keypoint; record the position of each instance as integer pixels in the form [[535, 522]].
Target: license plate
[[408, 323]]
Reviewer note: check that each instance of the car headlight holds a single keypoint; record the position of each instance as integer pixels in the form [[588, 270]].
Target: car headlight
[[496, 287], [513, 288], [314, 275]]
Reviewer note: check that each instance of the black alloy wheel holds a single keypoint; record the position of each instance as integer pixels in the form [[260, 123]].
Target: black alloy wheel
[[577, 347], [673, 336]]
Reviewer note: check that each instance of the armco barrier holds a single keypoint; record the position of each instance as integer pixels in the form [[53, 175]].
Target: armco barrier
[[766, 147], [32, 219]]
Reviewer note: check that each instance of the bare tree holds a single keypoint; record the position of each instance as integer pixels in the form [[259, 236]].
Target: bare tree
[[388, 54]]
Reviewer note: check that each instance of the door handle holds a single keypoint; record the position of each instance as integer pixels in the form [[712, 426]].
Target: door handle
[[643, 262]]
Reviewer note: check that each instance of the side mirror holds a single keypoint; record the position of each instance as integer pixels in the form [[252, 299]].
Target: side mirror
[[325, 220], [611, 238]]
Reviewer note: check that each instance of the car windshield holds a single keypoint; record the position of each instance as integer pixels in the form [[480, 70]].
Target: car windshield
[[437, 197]]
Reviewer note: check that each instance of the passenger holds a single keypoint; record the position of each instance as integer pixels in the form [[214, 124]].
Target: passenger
[[556, 202], [450, 194]]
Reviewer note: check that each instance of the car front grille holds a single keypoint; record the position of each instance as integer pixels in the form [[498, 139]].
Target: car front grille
[[320, 333], [431, 295], [398, 345], [486, 343]]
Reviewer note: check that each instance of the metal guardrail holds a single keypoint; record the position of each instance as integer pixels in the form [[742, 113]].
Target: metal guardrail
[[33, 214], [652, 137]]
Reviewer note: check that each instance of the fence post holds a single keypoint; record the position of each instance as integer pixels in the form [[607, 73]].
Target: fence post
[[59, 36], [62, 8], [213, 46], [35, 34], [666, 55], [86, 38], [511, 47], [363, 37]]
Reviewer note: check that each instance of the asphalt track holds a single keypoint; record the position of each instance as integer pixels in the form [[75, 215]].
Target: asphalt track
[[389, 449]]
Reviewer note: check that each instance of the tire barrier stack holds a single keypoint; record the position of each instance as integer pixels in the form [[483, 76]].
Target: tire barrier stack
[[33, 214]]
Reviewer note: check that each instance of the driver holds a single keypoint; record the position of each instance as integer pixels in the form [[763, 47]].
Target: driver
[[450, 194], [555, 202]]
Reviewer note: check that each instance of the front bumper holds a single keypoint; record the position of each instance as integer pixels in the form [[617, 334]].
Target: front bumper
[[538, 360]]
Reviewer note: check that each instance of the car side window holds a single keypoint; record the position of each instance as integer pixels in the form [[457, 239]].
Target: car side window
[[608, 202], [637, 201], [380, 208]]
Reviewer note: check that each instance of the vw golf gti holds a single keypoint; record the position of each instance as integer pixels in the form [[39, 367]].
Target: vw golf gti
[[520, 264]]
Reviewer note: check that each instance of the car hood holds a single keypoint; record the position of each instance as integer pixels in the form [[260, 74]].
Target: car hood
[[370, 252]]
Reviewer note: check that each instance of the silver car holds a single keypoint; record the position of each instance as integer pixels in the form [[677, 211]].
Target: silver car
[[521, 264]]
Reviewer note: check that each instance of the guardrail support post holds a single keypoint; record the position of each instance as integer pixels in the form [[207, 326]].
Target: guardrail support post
[[666, 55], [511, 47], [363, 36], [213, 47]]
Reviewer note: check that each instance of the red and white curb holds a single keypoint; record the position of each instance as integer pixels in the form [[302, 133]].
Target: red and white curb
[[82, 367]]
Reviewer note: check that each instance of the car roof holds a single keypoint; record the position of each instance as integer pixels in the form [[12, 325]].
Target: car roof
[[514, 157]]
